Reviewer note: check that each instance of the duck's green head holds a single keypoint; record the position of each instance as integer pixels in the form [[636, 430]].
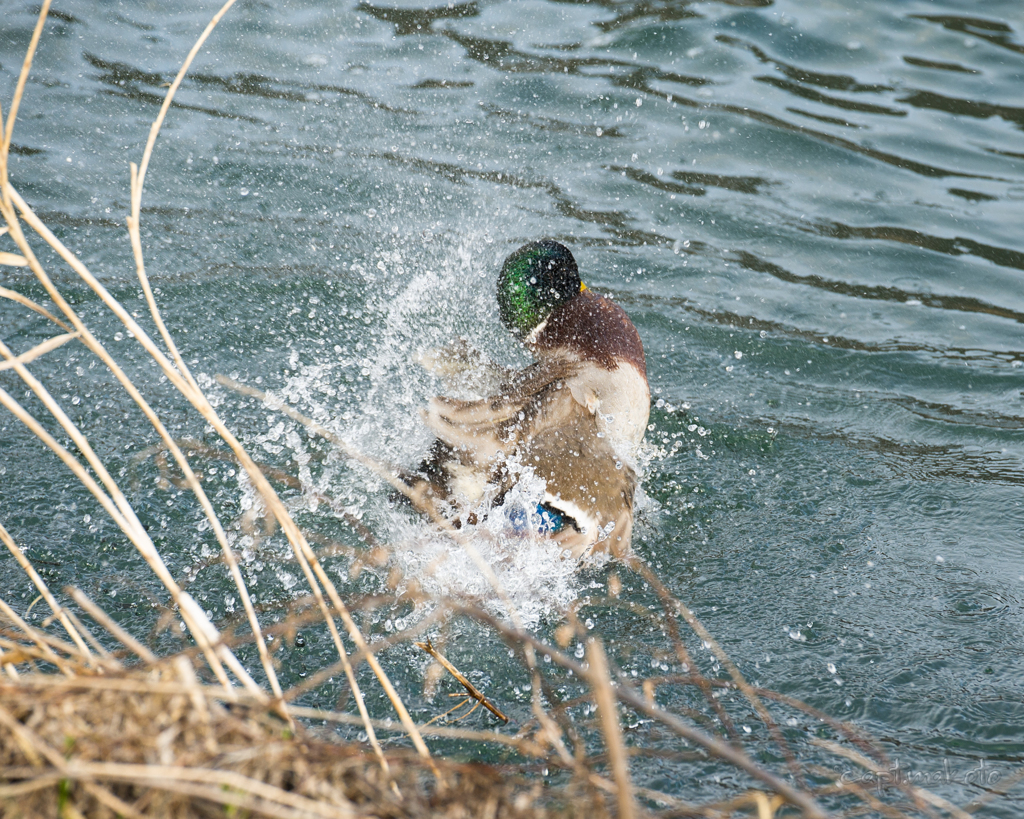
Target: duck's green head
[[535, 280]]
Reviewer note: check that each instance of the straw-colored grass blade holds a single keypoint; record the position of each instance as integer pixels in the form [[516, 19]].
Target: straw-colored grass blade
[[40, 349], [44, 590], [31, 305]]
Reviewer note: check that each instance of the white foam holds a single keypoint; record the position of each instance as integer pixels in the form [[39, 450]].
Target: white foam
[[535, 576]]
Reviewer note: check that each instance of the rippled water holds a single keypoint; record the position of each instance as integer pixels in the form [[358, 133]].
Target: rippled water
[[812, 212]]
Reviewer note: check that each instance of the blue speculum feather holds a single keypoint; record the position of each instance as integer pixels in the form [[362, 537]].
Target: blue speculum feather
[[550, 520], [547, 521]]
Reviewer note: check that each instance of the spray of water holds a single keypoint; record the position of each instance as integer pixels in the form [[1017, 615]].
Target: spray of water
[[418, 304]]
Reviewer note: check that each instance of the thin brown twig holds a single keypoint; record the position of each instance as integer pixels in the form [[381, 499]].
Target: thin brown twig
[[873, 767], [701, 681], [870, 801], [625, 693], [1001, 789], [461, 704], [734, 672], [458, 675], [378, 646]]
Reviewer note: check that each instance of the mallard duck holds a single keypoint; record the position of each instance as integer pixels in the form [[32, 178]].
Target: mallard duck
[[572, 419]]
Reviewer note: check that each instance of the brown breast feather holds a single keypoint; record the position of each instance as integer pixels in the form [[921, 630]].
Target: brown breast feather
[[596, 329]]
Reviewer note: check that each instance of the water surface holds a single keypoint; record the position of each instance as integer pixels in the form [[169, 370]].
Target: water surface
[[811, 211]]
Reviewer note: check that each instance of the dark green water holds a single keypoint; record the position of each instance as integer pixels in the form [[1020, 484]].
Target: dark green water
[[812, 211]]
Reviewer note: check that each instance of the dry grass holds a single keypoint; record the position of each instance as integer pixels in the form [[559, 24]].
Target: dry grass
[[89, 731], [157, 743]]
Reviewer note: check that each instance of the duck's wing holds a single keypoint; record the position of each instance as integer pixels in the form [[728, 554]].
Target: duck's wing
[[463, 368], [539, 420], [517, 411], [461, 467]]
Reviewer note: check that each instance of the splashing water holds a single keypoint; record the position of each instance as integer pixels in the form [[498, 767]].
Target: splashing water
[[452, 296]]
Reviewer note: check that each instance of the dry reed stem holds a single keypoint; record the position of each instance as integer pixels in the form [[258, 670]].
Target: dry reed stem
[[138, 177], [105, 620], [99, 350], [31, 305], [14, 652], [90, 638], [44, 590], [226, 787], [146, 686], [12, 259], [303, 553], [604, 698], [40, 349], [201, 627], [520, 744], [19, 90]]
